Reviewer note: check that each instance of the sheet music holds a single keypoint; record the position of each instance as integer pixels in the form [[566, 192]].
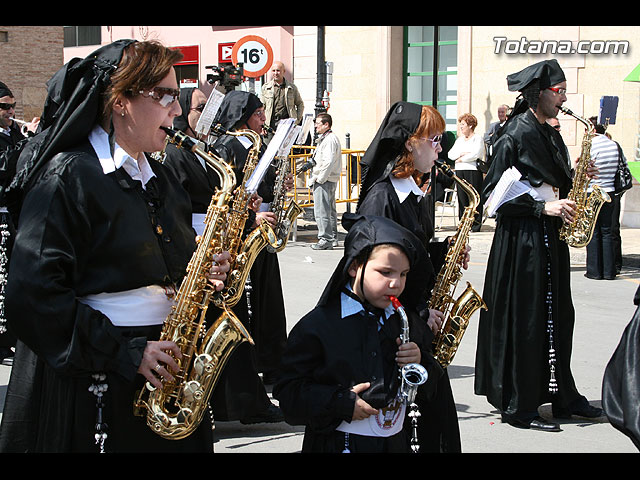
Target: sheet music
[[274, 146], [508, 187], [209, 112], [289, 141], [307, 122]]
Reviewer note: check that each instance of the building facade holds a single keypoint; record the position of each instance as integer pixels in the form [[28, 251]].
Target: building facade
[[460, 69]]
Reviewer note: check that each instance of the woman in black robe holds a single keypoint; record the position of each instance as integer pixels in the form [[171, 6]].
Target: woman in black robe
[[388, 169], [523, 356], [241, 393], [104, 237]]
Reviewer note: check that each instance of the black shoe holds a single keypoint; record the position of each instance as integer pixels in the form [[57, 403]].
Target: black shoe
[[536, 423], [586, 411], [272, 414]]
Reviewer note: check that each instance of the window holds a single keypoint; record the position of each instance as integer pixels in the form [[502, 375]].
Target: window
[[79, 36], [430, 49]]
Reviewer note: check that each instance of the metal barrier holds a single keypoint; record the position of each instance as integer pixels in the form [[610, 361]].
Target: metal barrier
[[348, 188]]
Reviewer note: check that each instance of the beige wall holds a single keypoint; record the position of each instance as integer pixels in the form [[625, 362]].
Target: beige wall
[[367, 75]]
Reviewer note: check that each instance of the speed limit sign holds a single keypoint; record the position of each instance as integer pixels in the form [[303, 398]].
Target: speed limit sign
[[254, 53]]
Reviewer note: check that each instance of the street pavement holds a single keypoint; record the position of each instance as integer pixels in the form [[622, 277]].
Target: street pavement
[[603, 309]]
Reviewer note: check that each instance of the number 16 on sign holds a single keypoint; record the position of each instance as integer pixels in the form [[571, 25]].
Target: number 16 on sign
[[255, 54]]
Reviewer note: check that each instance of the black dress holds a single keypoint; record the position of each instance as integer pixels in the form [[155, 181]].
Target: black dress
[[84, 232], [527, 284]]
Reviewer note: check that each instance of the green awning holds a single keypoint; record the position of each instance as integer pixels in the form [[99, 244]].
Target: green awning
[[634, 168], [634, 76]]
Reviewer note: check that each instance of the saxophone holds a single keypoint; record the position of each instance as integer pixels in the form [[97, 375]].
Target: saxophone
[[579, 232], [243, 252], [285, 217], [177, 409], [456, 314], [412, 376]]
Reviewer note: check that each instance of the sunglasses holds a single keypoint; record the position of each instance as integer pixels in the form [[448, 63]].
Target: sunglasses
[[435, 140], [559, 91], [7, 106], [163, 95]]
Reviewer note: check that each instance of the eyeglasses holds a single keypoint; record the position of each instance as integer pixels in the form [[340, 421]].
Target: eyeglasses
[[163, 95], [560, 91], [7, 106], [199, 108], [435, 140]]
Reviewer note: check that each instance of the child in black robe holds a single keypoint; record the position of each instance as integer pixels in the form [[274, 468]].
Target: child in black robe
[[340, 370]]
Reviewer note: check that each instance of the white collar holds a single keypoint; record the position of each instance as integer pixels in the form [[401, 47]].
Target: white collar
[[404, 186], [140, 171], [350, 306]]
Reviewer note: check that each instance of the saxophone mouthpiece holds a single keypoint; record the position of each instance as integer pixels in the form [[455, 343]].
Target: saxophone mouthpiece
[[396, 303], [566, 110]]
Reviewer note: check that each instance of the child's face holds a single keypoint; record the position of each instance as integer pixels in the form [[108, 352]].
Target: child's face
[[384, 276]]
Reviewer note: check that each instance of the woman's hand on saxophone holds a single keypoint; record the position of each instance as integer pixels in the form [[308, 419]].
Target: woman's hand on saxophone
[[435, 320], [362, 409], [219, 269], [254, 202], [158, 362], [563, 208], [268, 217], [592, 170], [288, 182]]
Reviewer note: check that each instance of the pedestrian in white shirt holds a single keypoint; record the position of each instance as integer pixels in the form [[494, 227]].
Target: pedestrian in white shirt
[[466, 151], [324, 178]]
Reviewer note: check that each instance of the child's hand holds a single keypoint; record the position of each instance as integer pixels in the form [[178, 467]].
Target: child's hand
[[362, 409], [407, 353]]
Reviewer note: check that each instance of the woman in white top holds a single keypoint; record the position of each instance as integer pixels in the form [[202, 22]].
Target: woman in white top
[[467, 149]]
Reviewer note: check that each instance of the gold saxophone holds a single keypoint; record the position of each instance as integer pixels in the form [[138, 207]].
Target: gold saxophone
[[286, 214], [579, 232], [176, 410], [243, 252], [456, 315]]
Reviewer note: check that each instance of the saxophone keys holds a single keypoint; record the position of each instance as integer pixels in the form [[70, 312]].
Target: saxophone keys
[[192, 391], [203, 364]]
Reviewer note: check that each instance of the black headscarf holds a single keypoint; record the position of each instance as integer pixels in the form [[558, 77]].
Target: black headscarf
[[236, 108], [400, 122], [534, 78], [364, 233], [182, 122], [4, 90], [71, 110]]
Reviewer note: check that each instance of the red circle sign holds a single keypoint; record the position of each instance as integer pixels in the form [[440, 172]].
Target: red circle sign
[[254, 53]]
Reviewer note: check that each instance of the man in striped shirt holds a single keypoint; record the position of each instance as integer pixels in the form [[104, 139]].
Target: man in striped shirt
[[601, 251]]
